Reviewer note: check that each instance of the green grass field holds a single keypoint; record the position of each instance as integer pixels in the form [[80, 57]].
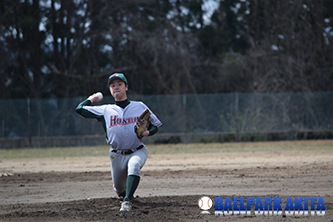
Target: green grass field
[[83, 151]]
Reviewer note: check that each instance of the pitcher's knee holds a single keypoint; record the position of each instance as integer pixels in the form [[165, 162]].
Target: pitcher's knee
[[134, 169]]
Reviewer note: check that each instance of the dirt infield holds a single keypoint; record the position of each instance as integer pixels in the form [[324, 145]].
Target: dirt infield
[[80, 189]]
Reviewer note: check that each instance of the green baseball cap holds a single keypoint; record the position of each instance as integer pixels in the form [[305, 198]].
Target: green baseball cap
[[117, 76]]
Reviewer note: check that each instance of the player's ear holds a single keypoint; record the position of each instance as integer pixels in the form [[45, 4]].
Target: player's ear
[[126, 87], [110, 89]]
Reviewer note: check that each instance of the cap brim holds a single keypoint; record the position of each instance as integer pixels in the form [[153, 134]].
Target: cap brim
[[115, 77]]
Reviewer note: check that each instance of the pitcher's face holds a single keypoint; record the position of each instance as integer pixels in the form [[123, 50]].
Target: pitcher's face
[[118, 90]]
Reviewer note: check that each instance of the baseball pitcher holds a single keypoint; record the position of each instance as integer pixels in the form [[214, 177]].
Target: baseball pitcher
[[125, 123]]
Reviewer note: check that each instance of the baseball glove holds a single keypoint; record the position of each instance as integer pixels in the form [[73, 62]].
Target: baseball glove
[[142, 123]]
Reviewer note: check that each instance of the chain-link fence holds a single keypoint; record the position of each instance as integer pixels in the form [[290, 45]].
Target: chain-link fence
[[199, 113]]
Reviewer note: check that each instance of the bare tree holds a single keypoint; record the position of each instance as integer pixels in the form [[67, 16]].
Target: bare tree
[[288, 50]]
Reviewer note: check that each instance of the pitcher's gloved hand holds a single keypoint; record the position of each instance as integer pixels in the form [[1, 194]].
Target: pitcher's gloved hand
[[141, 127]]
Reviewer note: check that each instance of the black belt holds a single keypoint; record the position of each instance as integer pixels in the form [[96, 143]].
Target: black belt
[[127, 152]]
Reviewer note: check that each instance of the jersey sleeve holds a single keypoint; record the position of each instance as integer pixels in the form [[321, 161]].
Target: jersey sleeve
[[86, 110], [154, 120]]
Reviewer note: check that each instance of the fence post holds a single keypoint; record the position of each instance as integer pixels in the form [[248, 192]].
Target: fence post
[[29, 122], [237, 117], [184, 113]]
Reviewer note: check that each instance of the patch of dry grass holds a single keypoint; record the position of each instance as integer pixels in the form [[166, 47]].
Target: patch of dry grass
[[320, 145]]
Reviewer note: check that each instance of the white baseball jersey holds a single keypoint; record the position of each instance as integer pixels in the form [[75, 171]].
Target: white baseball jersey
[[119, 123]]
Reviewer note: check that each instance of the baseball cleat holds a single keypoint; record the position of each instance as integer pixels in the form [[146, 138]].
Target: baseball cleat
[[126, 206]]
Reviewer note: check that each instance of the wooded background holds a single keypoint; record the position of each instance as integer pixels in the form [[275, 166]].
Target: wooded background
[[67, 48]]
